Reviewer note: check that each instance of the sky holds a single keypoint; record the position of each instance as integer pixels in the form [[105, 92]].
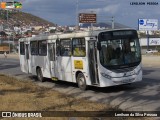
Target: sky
[[64, 12]]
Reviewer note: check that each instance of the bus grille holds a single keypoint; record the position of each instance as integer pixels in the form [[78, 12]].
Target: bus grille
[[123, 70]]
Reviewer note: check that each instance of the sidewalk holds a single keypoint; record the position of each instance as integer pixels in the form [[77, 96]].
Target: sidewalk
[[15, 56]]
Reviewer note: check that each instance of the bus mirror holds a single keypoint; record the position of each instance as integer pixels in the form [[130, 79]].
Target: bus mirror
[[98, 45]]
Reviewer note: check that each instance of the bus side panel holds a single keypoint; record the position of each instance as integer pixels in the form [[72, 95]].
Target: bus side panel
[[80, 64], [43, 63], [33, 64], [29, 65], [66, 69], [23, 64], [24, 57], [46, 69], [28, 56]]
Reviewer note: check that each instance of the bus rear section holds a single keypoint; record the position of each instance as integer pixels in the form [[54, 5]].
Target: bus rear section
[[34, 59], [119, 57], [24, 56]]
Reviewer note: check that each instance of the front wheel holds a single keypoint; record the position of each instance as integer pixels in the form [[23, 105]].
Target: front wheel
[[40, 75], [81, 81]]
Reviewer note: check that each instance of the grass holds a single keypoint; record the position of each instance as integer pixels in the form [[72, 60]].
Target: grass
[[24, 95]]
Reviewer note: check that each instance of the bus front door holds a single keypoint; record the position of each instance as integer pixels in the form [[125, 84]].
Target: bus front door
[[52, 60], [93, 69]]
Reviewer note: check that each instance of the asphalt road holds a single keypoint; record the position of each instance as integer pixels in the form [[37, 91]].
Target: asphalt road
[[141, 96]]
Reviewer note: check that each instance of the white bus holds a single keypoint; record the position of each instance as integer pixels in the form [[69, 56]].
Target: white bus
[[88, 58]]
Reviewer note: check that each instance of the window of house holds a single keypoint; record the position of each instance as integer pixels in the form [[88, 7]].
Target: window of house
[[79, 48]]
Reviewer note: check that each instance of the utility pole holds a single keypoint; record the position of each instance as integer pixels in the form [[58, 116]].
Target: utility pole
[[91, 23], [147, 40], [112, 22], [8, 36], [77, 16]]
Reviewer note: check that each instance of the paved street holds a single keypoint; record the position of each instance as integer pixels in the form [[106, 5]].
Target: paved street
[[143, 95]]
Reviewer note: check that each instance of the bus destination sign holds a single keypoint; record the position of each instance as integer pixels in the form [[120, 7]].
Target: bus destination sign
[[87, 18]]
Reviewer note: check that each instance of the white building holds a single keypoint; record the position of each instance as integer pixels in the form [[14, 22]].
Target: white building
[[151, 42]]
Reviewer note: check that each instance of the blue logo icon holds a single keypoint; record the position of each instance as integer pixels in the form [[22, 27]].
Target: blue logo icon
[[141, 22]]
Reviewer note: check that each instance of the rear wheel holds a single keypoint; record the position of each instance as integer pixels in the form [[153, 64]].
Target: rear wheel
[[81, 81], [40, 75]]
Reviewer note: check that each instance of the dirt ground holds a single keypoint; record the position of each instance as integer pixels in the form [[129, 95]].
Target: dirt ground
[[151, 60], [24, 95]]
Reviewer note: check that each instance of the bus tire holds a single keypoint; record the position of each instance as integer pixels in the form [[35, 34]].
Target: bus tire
[[81, 81], [40, 75]]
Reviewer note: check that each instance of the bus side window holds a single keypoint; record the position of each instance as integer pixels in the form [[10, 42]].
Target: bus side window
[[57, 47], [65, 49], [22, 48], [42, 48], [34, 47], [51, 51], [79, 49]]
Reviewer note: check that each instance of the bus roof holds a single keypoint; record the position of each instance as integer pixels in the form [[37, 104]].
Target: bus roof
[[76, 34]]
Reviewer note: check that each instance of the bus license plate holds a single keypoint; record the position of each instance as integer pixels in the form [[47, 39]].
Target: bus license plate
[[128, 80], [129, 73]]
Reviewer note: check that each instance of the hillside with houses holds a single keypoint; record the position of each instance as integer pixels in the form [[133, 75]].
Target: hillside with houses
[[20, 23], [17, 24]]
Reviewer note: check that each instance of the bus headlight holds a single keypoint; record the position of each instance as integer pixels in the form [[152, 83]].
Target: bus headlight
[[106, 76]]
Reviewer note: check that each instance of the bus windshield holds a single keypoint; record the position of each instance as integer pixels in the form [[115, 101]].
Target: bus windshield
[[119, 49]]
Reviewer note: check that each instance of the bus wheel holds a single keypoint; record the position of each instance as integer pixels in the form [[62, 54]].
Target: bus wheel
[[81, 81], [40, 75]]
